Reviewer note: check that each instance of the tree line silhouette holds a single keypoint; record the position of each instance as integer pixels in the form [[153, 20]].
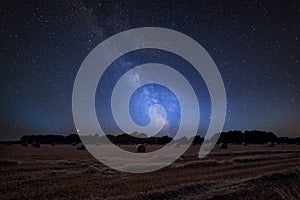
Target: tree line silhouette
[[231, 137]]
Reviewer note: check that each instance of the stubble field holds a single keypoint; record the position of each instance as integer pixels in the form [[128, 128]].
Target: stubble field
[[239, 172]]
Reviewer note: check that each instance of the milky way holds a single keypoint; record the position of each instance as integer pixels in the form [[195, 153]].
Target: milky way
[[255, 45]]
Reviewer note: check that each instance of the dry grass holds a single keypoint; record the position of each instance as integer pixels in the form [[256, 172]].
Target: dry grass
[[239, 172]]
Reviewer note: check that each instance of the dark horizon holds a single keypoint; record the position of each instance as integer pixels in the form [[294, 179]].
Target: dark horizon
[[233, 136]]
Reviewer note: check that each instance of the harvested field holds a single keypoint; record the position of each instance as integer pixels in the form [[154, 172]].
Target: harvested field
[[239, 172]]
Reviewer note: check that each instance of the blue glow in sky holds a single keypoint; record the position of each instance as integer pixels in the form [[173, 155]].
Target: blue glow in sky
[[255, 45], [147, 96]]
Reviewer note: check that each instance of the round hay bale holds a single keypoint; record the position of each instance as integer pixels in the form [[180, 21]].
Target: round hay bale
[[24, 144], [177, 145], [207, 146], [80, 146], [223, 146], [271, 144], [36, 144], [140, 148]]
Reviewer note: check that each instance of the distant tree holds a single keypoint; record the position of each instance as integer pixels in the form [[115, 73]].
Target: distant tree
[[252, 137], [50, 139], [237, 137], [198, 140]]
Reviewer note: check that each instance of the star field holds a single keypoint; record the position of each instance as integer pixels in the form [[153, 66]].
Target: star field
[[255, 45]]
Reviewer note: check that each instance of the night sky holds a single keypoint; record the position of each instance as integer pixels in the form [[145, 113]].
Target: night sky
[[254, 44]]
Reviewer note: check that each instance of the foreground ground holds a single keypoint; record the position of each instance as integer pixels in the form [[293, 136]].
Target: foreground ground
[[239, 172]]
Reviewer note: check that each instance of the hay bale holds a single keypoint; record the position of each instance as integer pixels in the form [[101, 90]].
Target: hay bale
[[207, 146], [271, 144], [140, 148], [24, 144], [223, 146], [80, 146], [177, 145], [244, 143], [36, 144]]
